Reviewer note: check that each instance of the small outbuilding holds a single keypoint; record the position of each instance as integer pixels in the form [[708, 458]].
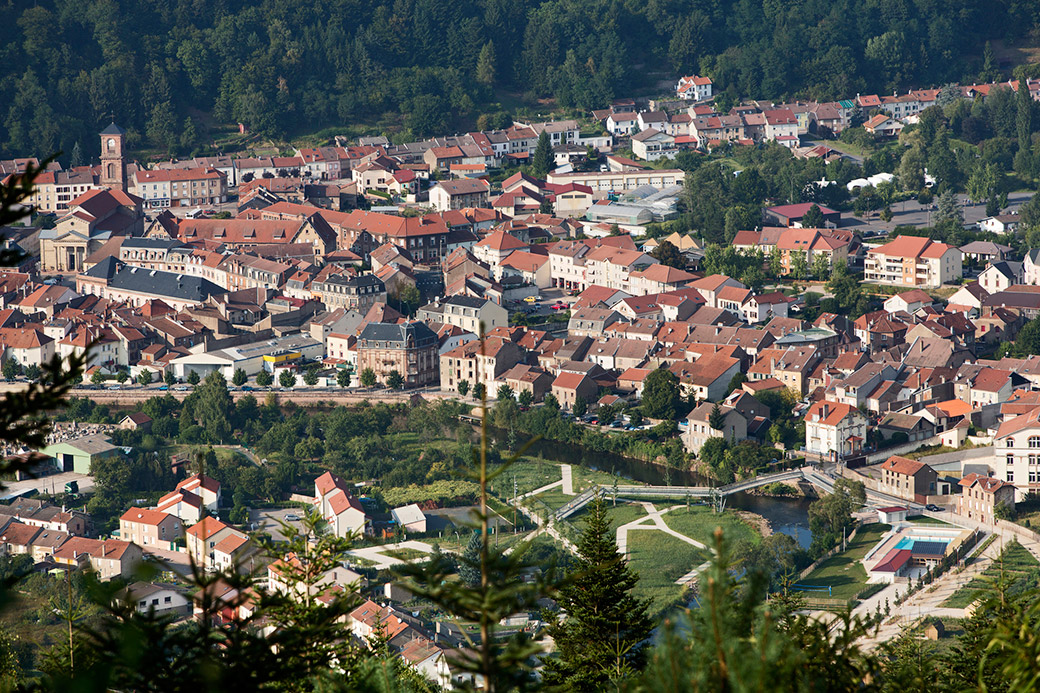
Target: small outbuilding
[[892, 515], [410, 518], [935, 630]]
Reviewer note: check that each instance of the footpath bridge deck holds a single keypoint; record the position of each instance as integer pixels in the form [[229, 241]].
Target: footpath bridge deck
[[585, 498]]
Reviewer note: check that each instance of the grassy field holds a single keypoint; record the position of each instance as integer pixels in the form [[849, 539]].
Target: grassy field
[[553, 499], [583, 478], [533, 472], [530, 473], [1016, 565], [699, 523], [660, 560], [923, 520], [844, 572], [621, 514], [406, 554]]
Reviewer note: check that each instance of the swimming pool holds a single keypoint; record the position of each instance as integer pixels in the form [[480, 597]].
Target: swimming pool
[[908, 542]]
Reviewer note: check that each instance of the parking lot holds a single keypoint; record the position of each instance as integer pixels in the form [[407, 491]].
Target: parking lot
[[547, 302], [269, 519]]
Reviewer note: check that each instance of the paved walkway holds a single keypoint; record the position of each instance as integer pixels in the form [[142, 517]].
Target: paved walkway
[[568, 479], [541, 489]]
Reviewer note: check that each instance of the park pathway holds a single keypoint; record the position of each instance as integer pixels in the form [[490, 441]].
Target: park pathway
[[568, 479], [541, 489], [656, 522]]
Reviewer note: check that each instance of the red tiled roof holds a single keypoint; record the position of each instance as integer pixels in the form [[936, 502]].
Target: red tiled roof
[[893, 561], [903, 465], [144, 516]]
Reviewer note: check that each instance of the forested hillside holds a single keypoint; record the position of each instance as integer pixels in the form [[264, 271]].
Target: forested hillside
[[287, 66]]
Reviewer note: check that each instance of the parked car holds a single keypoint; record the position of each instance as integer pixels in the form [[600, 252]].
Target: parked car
[[933, 508], [559, 305], [530, 299], [292, 517]]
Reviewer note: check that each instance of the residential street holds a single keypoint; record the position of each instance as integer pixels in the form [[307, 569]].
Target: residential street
[[52, 484]]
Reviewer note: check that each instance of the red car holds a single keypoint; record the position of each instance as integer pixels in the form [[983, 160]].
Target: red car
[[559, 305]]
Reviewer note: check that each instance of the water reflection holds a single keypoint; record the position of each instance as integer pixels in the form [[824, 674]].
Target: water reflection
[[787, 515]]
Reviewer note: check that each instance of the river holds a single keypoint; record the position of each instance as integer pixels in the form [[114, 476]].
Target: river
[[787, 515]]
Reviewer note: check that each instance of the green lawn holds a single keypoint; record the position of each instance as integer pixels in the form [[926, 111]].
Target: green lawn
[[530, 473], [584, 477], [554, 499], [621, 514], [1016, 566], [660, 560], [406, 554], [924, 520], [699, 522], [844, 572]]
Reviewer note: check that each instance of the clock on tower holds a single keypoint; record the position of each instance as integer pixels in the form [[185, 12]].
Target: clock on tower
[[113, 163]]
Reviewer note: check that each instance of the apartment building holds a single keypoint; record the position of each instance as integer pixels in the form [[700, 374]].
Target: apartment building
[[186, 187], [913, 262], [834, 429], [409, 348], [616, 181], [1016, 457], [146, 527], [54, 190]]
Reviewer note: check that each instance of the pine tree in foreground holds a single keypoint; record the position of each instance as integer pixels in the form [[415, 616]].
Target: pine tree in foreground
[[606, 630]]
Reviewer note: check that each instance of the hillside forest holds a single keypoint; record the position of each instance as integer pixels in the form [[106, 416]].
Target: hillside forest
[[171, 72]]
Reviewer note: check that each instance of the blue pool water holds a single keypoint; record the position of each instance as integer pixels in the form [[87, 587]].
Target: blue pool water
[[908, 543]]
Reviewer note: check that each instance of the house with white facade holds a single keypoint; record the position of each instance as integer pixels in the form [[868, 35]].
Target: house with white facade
[[693, 88], [833, 429]]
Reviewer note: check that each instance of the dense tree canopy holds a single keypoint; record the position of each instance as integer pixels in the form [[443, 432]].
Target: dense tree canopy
[[290, 65]]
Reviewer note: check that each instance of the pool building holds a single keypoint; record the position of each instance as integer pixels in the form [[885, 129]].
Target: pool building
[[907, 551]]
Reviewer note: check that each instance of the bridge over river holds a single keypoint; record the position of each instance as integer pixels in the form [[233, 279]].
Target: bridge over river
[[819, 479]]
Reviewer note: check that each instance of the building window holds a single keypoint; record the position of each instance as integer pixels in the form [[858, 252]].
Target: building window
[[1034, 441]]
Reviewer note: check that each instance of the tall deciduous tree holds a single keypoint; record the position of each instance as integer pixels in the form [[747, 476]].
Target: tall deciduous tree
[[661, 395], [287, 378], [343, 378], [668, 254], [604, 636], [368, 377]]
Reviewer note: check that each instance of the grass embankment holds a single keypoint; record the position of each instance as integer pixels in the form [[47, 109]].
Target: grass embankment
[[1016, 567], [1027, 514], [844, 572]]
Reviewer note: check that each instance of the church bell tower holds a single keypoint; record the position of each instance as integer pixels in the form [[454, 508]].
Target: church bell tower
[[113, 161]]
